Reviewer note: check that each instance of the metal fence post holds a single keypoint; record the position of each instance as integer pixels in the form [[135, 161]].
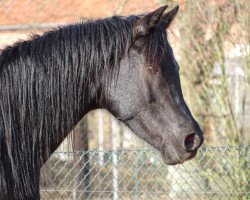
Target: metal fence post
[[101, 137], [115, 141]]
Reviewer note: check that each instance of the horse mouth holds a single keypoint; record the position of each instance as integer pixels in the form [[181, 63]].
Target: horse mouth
[[178, 159], [193, 154]]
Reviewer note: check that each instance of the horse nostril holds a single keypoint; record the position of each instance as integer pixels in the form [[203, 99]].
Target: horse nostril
[[192, 142]]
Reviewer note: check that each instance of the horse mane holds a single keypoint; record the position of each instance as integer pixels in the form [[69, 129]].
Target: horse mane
[[102, 39], [42, 79]]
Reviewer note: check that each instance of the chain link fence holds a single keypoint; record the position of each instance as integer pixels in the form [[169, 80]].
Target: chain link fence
[[215, 173]]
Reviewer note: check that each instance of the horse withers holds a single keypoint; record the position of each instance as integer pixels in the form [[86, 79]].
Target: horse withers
[[122, 64]]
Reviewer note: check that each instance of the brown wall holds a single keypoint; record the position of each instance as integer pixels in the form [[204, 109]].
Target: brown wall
[[40, 11]]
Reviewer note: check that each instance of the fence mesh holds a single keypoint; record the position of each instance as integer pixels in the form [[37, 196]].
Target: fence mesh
[[215, 173]]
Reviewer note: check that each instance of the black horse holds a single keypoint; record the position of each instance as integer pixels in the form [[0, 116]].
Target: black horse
[[48, 83]]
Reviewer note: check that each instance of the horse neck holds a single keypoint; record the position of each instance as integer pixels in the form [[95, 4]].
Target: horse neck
[[58, 78], [89, 60], [74, 91]]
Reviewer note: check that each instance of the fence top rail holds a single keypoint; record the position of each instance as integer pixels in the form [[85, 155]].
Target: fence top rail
[[149, 150]]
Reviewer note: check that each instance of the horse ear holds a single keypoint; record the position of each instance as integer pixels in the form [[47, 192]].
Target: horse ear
[[144, 24], [168, 17]]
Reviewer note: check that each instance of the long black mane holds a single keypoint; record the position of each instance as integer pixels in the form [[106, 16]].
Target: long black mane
[[46, 81]]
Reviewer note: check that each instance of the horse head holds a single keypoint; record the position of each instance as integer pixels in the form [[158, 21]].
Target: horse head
[[147, 95]]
